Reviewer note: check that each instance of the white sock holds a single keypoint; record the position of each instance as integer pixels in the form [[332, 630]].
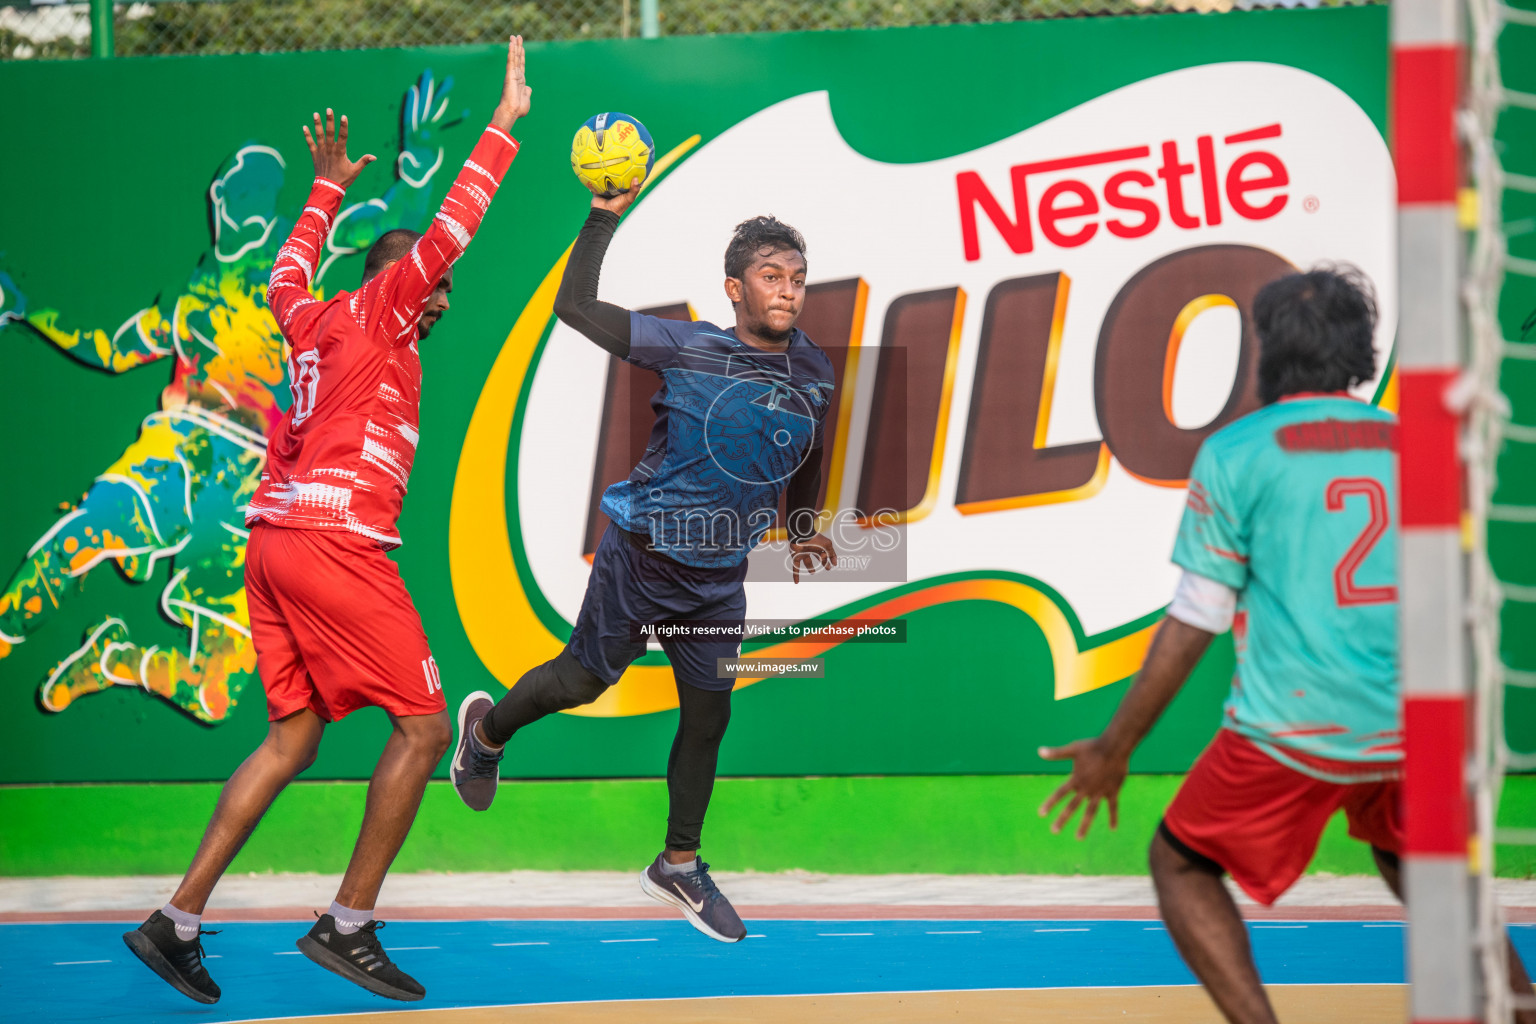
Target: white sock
[[187, 925], [668, 868], [349, 920]]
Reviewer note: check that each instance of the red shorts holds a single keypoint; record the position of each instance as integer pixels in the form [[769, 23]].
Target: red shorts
[[334, 627], [1261, 820]]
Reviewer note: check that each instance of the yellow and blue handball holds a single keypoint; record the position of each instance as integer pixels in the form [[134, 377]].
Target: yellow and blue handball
[[611, 150]]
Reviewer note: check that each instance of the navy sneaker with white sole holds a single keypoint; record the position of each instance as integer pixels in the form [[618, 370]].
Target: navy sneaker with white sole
[[695, 894], [474, 772]]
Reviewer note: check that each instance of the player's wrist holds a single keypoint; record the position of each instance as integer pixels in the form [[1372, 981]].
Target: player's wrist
[[327, 185], [503, 120], [1113, 746]]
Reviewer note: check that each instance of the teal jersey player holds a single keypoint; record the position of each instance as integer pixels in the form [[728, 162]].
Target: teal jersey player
[[1290, 541], [1294, 507]]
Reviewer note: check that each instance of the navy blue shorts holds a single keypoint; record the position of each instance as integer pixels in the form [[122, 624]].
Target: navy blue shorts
[[631, 588]]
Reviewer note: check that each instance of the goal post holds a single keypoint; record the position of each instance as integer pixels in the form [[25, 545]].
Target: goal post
[[1427, 71]]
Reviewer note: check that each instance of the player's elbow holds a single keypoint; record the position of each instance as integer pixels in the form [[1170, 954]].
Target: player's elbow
[[568, 310]]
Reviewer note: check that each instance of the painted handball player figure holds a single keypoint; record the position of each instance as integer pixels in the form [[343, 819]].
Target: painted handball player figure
[[333, 625], [1289, 539], [738, 423]]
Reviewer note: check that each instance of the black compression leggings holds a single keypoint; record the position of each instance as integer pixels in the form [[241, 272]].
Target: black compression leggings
[[703, 717], [563, 682]]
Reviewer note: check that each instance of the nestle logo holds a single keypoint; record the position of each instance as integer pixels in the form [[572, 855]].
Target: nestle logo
[[1068, 210]]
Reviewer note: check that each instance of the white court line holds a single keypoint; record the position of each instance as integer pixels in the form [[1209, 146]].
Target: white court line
[[1394, 924], [1154, 928], [843, 935], [1279, 926], [628, 940], [1061, 929], [288, 952], [403, 949], [953, 933], [757, 936], [519, 943], [73, 963]]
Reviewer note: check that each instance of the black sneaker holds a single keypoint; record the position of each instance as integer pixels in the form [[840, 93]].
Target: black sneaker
[[474, 772], [694, 893], [178, 961], [359, 958]]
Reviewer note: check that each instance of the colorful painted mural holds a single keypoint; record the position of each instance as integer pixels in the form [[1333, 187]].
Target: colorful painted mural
[[177, 494]]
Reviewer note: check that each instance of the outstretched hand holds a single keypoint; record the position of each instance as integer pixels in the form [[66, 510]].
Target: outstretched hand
[[516, 96], [328, 149], [1097, 774]]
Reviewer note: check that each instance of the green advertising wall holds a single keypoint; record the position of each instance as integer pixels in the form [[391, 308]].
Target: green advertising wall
[[108, 178]]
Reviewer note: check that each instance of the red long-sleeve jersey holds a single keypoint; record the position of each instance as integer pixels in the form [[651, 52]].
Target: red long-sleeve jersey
[[341, 456]]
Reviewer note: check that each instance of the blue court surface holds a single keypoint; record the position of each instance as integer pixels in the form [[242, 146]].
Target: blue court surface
[[83, 972]]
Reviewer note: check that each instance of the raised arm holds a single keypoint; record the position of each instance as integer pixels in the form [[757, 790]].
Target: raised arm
[[577, 303], [294, 268], [424, 116], [142, 338], [406, 285]]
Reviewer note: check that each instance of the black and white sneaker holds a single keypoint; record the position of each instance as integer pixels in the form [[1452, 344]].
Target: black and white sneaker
[[474, 772], [178, 961], [695, 894], [359, 958]]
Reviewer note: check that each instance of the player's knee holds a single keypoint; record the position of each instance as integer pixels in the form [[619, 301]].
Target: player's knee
[[431, 735], [705, 730], [307, 759], [570, 684]]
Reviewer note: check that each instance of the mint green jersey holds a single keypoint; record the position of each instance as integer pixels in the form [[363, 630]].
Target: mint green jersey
[[1295, 507]]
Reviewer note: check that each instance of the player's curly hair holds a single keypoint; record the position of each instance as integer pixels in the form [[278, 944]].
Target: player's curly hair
[[1315, 332], [760, 236], [390, 247]]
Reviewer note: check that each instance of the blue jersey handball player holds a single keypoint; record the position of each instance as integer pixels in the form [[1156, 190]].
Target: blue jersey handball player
[[738, 425]]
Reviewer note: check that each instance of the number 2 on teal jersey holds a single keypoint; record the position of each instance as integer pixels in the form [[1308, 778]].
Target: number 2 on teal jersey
[[1345, 589]]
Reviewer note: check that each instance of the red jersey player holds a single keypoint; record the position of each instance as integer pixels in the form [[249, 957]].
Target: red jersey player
[[333, 626]]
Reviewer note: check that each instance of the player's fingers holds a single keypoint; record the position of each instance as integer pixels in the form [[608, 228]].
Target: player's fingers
[[341, 136], [1067, 812], [1056, 797], [1114, 810], [1055, 753], [330, 125], [1088, 814], [309, 140], [365, 160]]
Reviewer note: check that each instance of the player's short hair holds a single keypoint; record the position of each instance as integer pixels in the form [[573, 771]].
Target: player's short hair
[[760, 236], [391, 246], [1315, 332]]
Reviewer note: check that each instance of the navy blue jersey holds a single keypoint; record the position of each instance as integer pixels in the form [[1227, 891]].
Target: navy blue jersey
[[733, 423]]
